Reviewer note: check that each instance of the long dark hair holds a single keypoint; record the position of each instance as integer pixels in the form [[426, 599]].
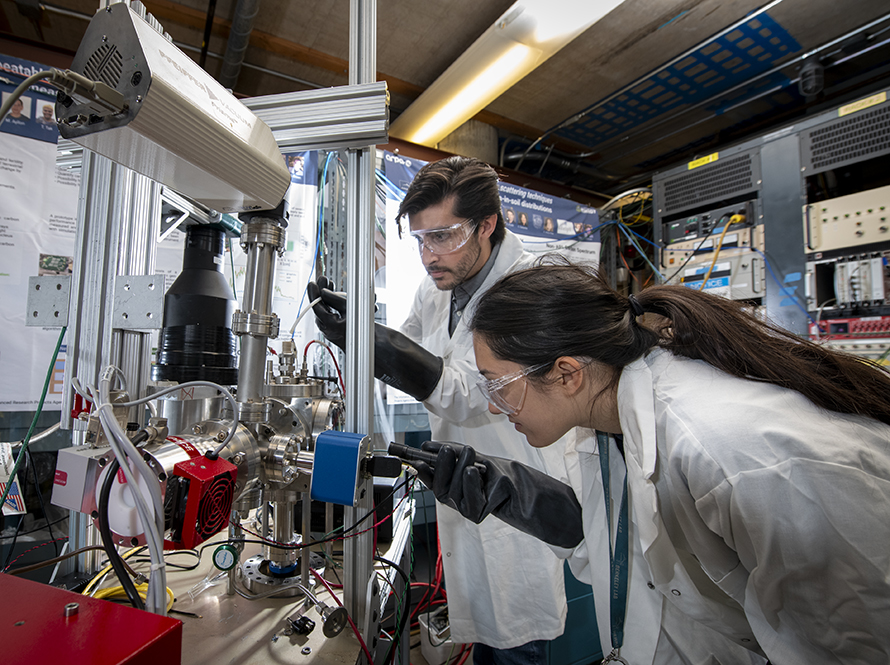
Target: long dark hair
[[539, 314], [472, 183]]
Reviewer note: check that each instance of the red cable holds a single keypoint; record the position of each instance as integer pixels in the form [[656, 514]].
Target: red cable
[[333, 357], [48, 542], [348, 618]]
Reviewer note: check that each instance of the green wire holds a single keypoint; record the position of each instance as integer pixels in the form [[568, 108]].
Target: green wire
[[27, 440]]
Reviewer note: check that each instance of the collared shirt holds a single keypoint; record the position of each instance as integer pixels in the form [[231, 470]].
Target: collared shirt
[[462, 293]]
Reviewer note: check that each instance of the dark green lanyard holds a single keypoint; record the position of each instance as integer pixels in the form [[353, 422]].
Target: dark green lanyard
[[618, 557]]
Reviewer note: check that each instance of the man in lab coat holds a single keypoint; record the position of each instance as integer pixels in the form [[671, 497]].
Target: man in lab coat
[[505, 588]]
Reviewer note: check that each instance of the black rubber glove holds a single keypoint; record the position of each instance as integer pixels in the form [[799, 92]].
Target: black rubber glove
[[521, 496], [330, 313], [398, 361]]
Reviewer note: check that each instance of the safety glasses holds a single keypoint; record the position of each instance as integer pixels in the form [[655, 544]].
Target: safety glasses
[[445, 240], [493, 389]]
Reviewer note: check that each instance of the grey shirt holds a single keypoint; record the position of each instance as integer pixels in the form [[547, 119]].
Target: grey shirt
[[462, 293]]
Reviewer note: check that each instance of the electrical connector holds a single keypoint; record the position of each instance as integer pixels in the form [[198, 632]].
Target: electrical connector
[[99, 97]]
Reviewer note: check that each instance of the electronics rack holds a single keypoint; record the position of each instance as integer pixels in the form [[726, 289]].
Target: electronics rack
[[846, 176], [814, 247], [709, 225]]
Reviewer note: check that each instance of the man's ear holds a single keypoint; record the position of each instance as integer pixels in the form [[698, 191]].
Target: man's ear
[[487, 226]]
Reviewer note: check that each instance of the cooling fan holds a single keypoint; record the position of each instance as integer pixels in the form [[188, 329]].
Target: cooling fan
[[198, 501]]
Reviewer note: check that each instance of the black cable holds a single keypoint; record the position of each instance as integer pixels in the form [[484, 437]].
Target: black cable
[[208, 28], [689, 258], [40, 501], [15, 536], [114, 558], [341, 532], [169, 564], [39, 528], [405, 603]]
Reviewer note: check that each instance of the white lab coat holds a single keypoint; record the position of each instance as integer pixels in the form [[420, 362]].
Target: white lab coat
[[754, 513], [505, 588]]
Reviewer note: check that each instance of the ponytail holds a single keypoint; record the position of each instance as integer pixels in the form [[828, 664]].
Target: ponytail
[[728, 335], [557, 308]]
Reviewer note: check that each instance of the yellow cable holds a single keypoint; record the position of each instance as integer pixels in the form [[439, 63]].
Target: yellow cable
[[125, 555], [119, 592], [735, 219]]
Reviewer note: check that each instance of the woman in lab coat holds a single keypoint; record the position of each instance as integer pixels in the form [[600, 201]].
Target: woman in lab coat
[[757, 468]]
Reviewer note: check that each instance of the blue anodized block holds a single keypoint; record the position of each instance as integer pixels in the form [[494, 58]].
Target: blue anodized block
[[337, 465]]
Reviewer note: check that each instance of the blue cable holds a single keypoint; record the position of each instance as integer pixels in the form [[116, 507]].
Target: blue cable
[[640, 250], [769, 267], [794, 298], [642, 237], [399, 194], [324, 178]]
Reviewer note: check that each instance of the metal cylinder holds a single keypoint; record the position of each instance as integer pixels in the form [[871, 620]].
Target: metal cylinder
[[283, 533], [256, 323]]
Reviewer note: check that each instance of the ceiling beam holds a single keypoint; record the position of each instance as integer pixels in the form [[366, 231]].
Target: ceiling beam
[[171, 12]]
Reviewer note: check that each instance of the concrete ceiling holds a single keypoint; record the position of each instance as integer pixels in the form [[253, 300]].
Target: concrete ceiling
[[614, 106]]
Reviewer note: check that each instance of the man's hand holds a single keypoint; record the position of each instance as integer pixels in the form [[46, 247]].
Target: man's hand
[[330, 313], [398, 361]]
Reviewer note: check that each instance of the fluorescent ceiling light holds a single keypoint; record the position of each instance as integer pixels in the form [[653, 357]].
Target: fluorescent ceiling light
[[476, 94], [521, 39]]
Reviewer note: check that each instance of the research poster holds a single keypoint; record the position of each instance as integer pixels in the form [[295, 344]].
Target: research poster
[[38, 223], [543, 222], [38, 211]]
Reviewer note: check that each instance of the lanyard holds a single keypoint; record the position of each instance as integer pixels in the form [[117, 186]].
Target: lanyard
[[618, 558]]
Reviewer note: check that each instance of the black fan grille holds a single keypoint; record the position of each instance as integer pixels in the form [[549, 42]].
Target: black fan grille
[[105, 64], [860, 136], [721, 180], [215, 506]]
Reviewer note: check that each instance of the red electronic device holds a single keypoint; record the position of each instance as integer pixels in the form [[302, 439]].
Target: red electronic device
[[44, 625], [198, 501], [862, 327]]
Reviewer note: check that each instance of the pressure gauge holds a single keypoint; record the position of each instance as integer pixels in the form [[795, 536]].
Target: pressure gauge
[[225, 557]]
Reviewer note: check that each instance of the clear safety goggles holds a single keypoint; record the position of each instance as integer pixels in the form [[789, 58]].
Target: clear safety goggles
[[445, 240], [493, 389]]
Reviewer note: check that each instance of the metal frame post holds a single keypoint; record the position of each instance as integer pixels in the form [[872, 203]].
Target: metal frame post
[[118, 215], [360, 305]]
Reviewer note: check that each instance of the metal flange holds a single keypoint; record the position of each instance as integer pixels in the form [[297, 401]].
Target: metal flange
[[264, 233], [254, 412], [251, 323]]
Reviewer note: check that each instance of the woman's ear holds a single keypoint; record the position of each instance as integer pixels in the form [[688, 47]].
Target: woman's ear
[[568, 374]]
